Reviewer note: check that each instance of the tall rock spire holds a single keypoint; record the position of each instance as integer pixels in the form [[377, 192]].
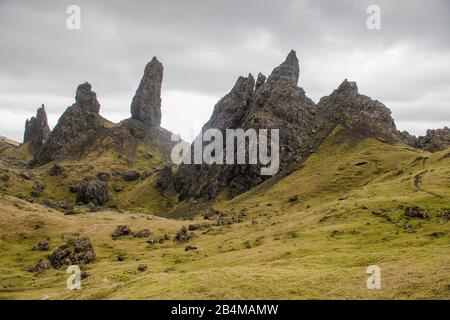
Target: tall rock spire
[[36, 130], [86, 99], [146, 104]]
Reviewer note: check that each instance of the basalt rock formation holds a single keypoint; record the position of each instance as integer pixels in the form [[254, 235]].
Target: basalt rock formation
[[36, 130], [434, 140], [73, 127], [275, 103], [146, 104], [359, 114]]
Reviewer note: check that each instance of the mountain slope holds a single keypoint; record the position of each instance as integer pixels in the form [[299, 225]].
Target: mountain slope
[[314, 247]]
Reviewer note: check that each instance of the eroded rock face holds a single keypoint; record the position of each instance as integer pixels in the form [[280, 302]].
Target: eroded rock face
[[359, 113], [277, 103], [86, 99], [434, 140], [36, 130], [146, 104], [74, 127], [76, 251]]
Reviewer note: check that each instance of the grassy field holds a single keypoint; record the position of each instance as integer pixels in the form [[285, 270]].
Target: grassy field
[[316, 247]]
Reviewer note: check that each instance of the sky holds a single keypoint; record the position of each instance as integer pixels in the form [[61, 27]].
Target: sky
[[206, 45]]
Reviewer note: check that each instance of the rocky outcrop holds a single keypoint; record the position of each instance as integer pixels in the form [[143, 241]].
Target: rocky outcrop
[[86, 99], [260, 81], [358, 113], [76, 251], [74, 128], [146, 104], [434, 140], [93, 191], [277, 103], [36, 130]]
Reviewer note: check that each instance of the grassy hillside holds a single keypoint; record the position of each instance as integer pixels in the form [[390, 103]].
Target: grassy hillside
[[348, 214]]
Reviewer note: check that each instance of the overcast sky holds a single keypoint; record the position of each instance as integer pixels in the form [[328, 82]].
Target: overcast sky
[[205, 45]]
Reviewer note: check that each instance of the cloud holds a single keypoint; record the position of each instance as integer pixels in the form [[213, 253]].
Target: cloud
[[206, 45]]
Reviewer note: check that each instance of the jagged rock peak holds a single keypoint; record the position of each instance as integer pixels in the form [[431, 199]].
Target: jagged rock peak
[[434, 140], [260, 81], [288, 71], [86, 99], [36, 130], [347, 87], [229, 111], [146, 104]]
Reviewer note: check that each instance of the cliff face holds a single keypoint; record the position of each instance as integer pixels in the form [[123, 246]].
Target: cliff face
[[36, 130], [275, 103], [358, 113]]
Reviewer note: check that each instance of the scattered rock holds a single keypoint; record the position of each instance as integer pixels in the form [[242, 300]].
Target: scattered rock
[[76, 251], [190, 248], [293, 199], [344, 197], [56, 170], [121, 231], [121, 257], [152, 241], [58, 205], [93, 191], [4, 178], [131, 175], [103, 176], [26, 175], [197, 226], [183, 235], [142, 268], [437, 234], [42, 265], [416, 212], [212, 214], [37, 189], [142, 233], [445, 214], [41, 246], [117, 188]]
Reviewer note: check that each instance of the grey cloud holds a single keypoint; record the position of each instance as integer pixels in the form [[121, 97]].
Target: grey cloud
[[206, 45]]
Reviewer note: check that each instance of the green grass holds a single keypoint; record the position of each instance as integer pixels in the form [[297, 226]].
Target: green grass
[[316, 248]]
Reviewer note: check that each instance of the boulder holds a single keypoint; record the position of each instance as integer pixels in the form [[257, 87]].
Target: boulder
[[183, 235], [142, 233], [93, 191], [416, 212], [37, 189], [56, 170], [41, 246], [131, 175], [121, 231], [103, 176], [76, 251]]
